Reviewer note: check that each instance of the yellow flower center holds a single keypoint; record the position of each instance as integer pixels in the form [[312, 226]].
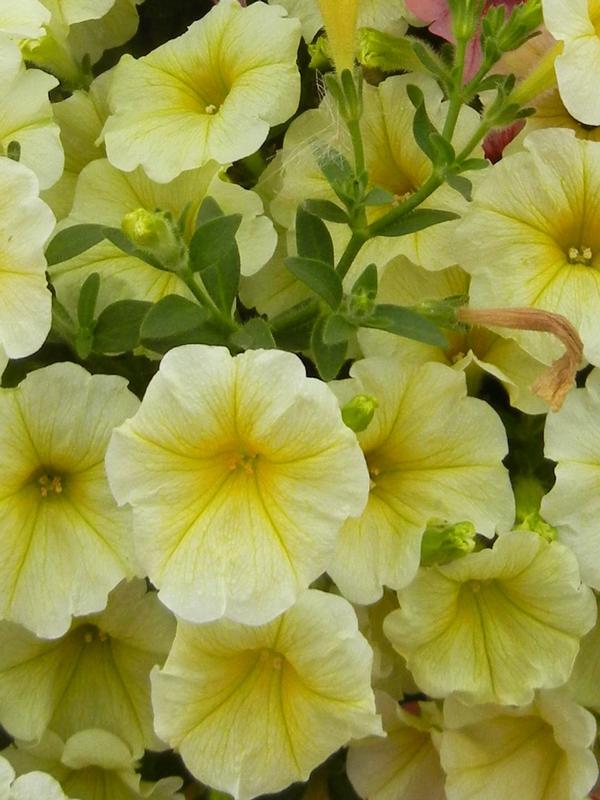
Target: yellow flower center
[[90, 634], [594, 12], [242, 460], [211, 108], [580, 255], [276, 659], [50, 485]]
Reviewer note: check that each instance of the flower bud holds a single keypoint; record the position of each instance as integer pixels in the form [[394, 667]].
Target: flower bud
[[340, 18], [155, 233], [358, 413], [443, 542]]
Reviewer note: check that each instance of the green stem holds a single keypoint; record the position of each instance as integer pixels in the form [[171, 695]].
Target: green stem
[[353, 248], [434, 181], [205, 300], [357, 145], [456, 97]]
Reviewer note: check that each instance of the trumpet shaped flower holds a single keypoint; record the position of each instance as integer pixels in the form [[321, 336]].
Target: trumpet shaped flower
[[64, 542], [530, 238], [96, 676], [252, 709], [384, 15], [105, 195], [91, 764], [211, 94], [25, 225], [572, 505], [431, 451], [495, 625], [240, 472], [540, 751]]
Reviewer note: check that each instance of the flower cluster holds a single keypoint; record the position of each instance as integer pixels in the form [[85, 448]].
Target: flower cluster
[[299, 439]]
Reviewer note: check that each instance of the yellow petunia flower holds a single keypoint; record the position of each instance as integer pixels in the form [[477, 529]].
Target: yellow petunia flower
[[95, 676], [431, 452], [384, 15], [240, 472], [530, 238], [23, 19], [32, 786], [211, 94], [536, 752], [495, 625], [64, 542], [253, 709]]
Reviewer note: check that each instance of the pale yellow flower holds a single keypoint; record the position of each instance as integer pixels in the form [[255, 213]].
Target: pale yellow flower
[[535, 752], [33, 786], [210, 94], [431, 452], [91, 764], [385, 15], [530, 238], [25, 18], [253, 709], [240, 472], [96, 676], [577, 24], [495, 625], [64, 542], [406, 764], [105, 195]]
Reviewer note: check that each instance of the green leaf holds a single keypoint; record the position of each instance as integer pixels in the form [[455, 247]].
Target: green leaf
[[337, 170], [117, 329], [378, 197], [173, 320], [423, 127], [461, 185], [208, 211], [254, 335], [443, 150], [86, 305], [318, 276], [474, 163], [337, 329], [328, 357], [417, 221], [213, 241], [313, 240], [72, 241], [292, 328], [325, 209], [405, 322], [366, 283], [222, 279]]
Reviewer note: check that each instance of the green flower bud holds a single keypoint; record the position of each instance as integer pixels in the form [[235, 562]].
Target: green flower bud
[[358, 413], [320, 57], [378, 50], [528, 497], [155, 233], [465, 17], [443, 542]]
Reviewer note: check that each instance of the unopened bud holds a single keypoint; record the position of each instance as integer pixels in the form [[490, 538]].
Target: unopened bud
[[340, 18], [359, 412], [528, 497], [155, 233], [379, 50], [443, 542]]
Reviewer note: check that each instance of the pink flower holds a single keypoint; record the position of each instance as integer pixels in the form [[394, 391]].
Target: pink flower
[[436, 14]]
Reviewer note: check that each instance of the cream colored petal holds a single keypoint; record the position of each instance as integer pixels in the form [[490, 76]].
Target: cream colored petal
[[254, 709], [23, 19], [494, 625]]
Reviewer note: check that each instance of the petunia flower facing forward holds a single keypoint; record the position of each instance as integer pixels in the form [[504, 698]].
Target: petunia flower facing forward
[[240, 472], [210, 94]]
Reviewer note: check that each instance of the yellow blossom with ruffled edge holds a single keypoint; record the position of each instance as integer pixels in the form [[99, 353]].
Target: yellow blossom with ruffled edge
[[495, 625], [64, 544], [394, 160], [91, 764], [35, 785], [431, 452], [537, 752], [105, 195], [240, 472], [25, 225], [384, 15], [577, 25], [95, 676], [27, 115], [80, 118], [406, 764], [253, 709], [478, 351], [25, 18], [583, 685], [530, 238], [572, 506], [210, 94]]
